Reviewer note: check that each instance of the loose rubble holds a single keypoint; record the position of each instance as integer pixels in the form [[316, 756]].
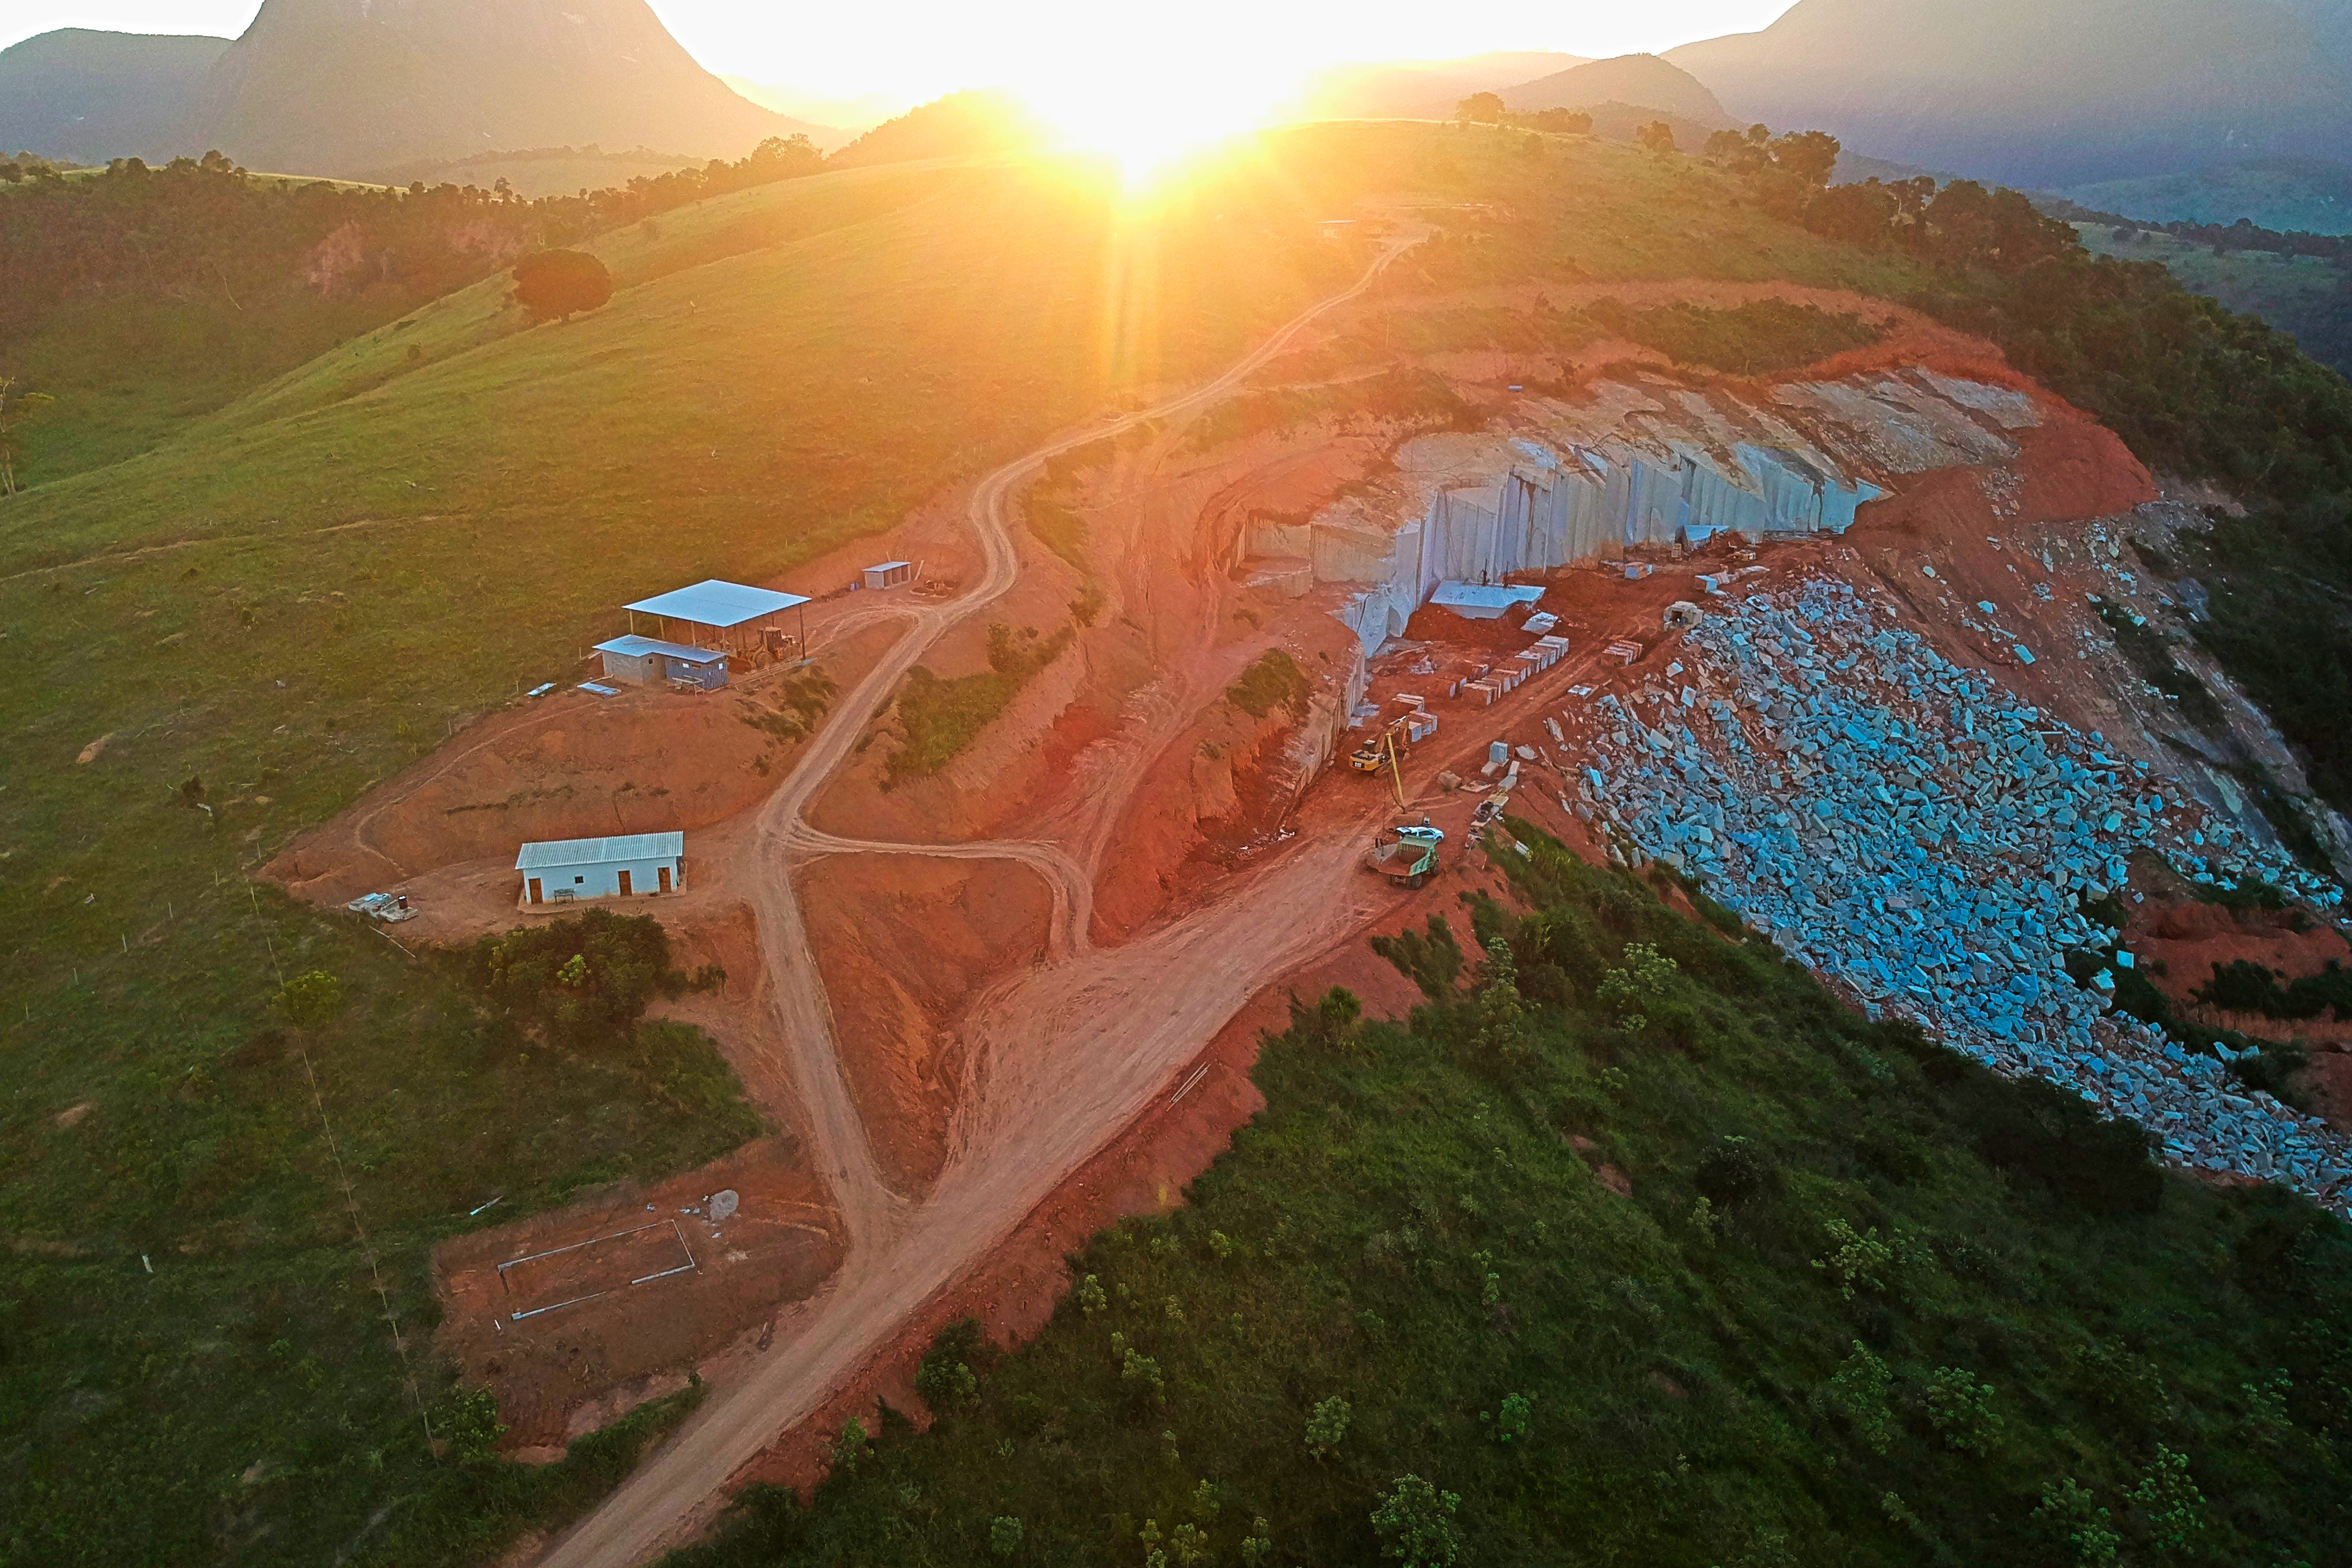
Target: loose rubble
[[1908, 829]]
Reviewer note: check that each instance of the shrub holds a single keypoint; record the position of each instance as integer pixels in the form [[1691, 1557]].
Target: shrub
[[468, 1420], [1510, 1420], [312, 1000], [583, 981], [1275, 680], [845, 1451], [1857, 1391], [1432, 961], [945, 1378], [1732, 1171], [1961, 1409], [560, 284], [1004, 1535], [1415, 1523], [1858, 1263], [2071, 1518], [1326, 1426], [2169, 1503], [1642, 977]]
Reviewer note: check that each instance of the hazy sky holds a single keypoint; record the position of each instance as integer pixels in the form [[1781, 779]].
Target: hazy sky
[[917, 47]]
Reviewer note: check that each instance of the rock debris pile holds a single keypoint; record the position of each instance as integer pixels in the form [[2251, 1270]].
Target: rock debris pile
[[1905, 826]]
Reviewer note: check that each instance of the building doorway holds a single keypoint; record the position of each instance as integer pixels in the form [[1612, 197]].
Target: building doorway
[[536, 894], [661, 874], [625, 888]]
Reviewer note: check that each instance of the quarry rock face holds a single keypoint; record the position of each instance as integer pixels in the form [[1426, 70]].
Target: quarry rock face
[[1911, 831], [350, 86]]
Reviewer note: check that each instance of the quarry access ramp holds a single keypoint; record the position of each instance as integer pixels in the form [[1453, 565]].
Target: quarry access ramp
[[1030, 1126]]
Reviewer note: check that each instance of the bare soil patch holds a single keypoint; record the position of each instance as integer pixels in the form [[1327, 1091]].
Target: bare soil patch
[[774, 1249]]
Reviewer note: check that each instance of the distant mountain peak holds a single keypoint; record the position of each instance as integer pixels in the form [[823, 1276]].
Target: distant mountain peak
[[350, 86]]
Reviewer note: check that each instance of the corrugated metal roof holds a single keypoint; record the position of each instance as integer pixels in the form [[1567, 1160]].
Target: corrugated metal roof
[[885, 566], [717, 603], [600, 851], [636, 647]]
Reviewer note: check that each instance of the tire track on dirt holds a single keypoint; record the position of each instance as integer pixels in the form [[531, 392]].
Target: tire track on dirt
[[1007, 1155]]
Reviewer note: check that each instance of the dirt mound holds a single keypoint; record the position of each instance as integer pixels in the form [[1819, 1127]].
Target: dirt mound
[[905, 943], [2179, 946], [556, 1371]]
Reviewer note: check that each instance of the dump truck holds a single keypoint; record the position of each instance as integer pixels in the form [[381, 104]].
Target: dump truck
[[1406, 854]]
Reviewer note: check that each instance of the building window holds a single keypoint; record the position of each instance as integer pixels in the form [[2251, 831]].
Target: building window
[[579, 882]]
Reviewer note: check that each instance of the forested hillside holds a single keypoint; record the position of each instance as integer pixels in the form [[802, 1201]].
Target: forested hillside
[[1859, 1302]]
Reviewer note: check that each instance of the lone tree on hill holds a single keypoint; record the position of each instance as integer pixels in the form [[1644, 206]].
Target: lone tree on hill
[[1482, 107], [1656, 137], [552, 284]]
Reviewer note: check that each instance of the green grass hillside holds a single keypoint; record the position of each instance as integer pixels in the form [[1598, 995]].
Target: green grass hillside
[[1862, 1302], [332, 572], [298, 594], [2306, 298]]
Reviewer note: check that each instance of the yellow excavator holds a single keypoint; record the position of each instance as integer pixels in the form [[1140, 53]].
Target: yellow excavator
[[1388, 752]]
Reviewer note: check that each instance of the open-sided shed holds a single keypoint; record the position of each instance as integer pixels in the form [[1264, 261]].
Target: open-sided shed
[[733, 617]]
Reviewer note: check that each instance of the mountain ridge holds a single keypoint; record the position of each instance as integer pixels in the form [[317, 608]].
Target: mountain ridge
[[350, 86], [2030, 94]]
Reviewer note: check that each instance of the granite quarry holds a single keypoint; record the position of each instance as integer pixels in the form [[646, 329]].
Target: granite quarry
[[1917, 834]]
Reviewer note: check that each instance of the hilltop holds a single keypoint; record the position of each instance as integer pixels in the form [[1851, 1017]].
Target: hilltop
[[89, 96], [2048, 95], [1643, 81]]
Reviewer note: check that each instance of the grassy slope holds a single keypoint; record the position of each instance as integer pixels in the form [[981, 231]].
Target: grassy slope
[[375, 545], [1408, 1228], [2301, 296], [844, 347]]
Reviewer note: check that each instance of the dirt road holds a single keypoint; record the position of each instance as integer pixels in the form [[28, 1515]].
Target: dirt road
[[1064, 1055]]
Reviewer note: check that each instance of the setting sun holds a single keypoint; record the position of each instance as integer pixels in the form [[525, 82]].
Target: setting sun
[[1147, 120]]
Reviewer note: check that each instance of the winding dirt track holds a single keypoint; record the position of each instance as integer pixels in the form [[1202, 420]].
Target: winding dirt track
[[1065, 1054]]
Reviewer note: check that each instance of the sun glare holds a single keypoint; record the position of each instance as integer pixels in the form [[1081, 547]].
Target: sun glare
[[1147, 115]]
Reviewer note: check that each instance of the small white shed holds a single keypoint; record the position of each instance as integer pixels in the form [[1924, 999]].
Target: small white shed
[[636, 865], [889, 574]]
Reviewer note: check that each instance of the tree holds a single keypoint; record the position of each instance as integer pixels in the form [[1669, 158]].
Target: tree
[[16, 412], [308, 1000], [1810, 155], [1326, 1426], [1485, 107], [1961, 1409], [2169, 1500], [552, 285], [1564, 122], [1005, 1534], [1415, 1523], [2071, 1518], [1656, 137], [1501, 1014]]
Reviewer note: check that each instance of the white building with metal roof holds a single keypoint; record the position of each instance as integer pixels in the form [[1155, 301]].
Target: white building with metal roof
[[645, 661], [564, 871]]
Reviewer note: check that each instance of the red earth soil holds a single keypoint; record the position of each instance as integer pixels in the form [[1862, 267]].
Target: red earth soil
[[557, 1374], [567, 766], [906, 944]]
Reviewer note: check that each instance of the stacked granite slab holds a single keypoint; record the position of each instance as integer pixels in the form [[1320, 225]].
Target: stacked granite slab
[[1913, 831]]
